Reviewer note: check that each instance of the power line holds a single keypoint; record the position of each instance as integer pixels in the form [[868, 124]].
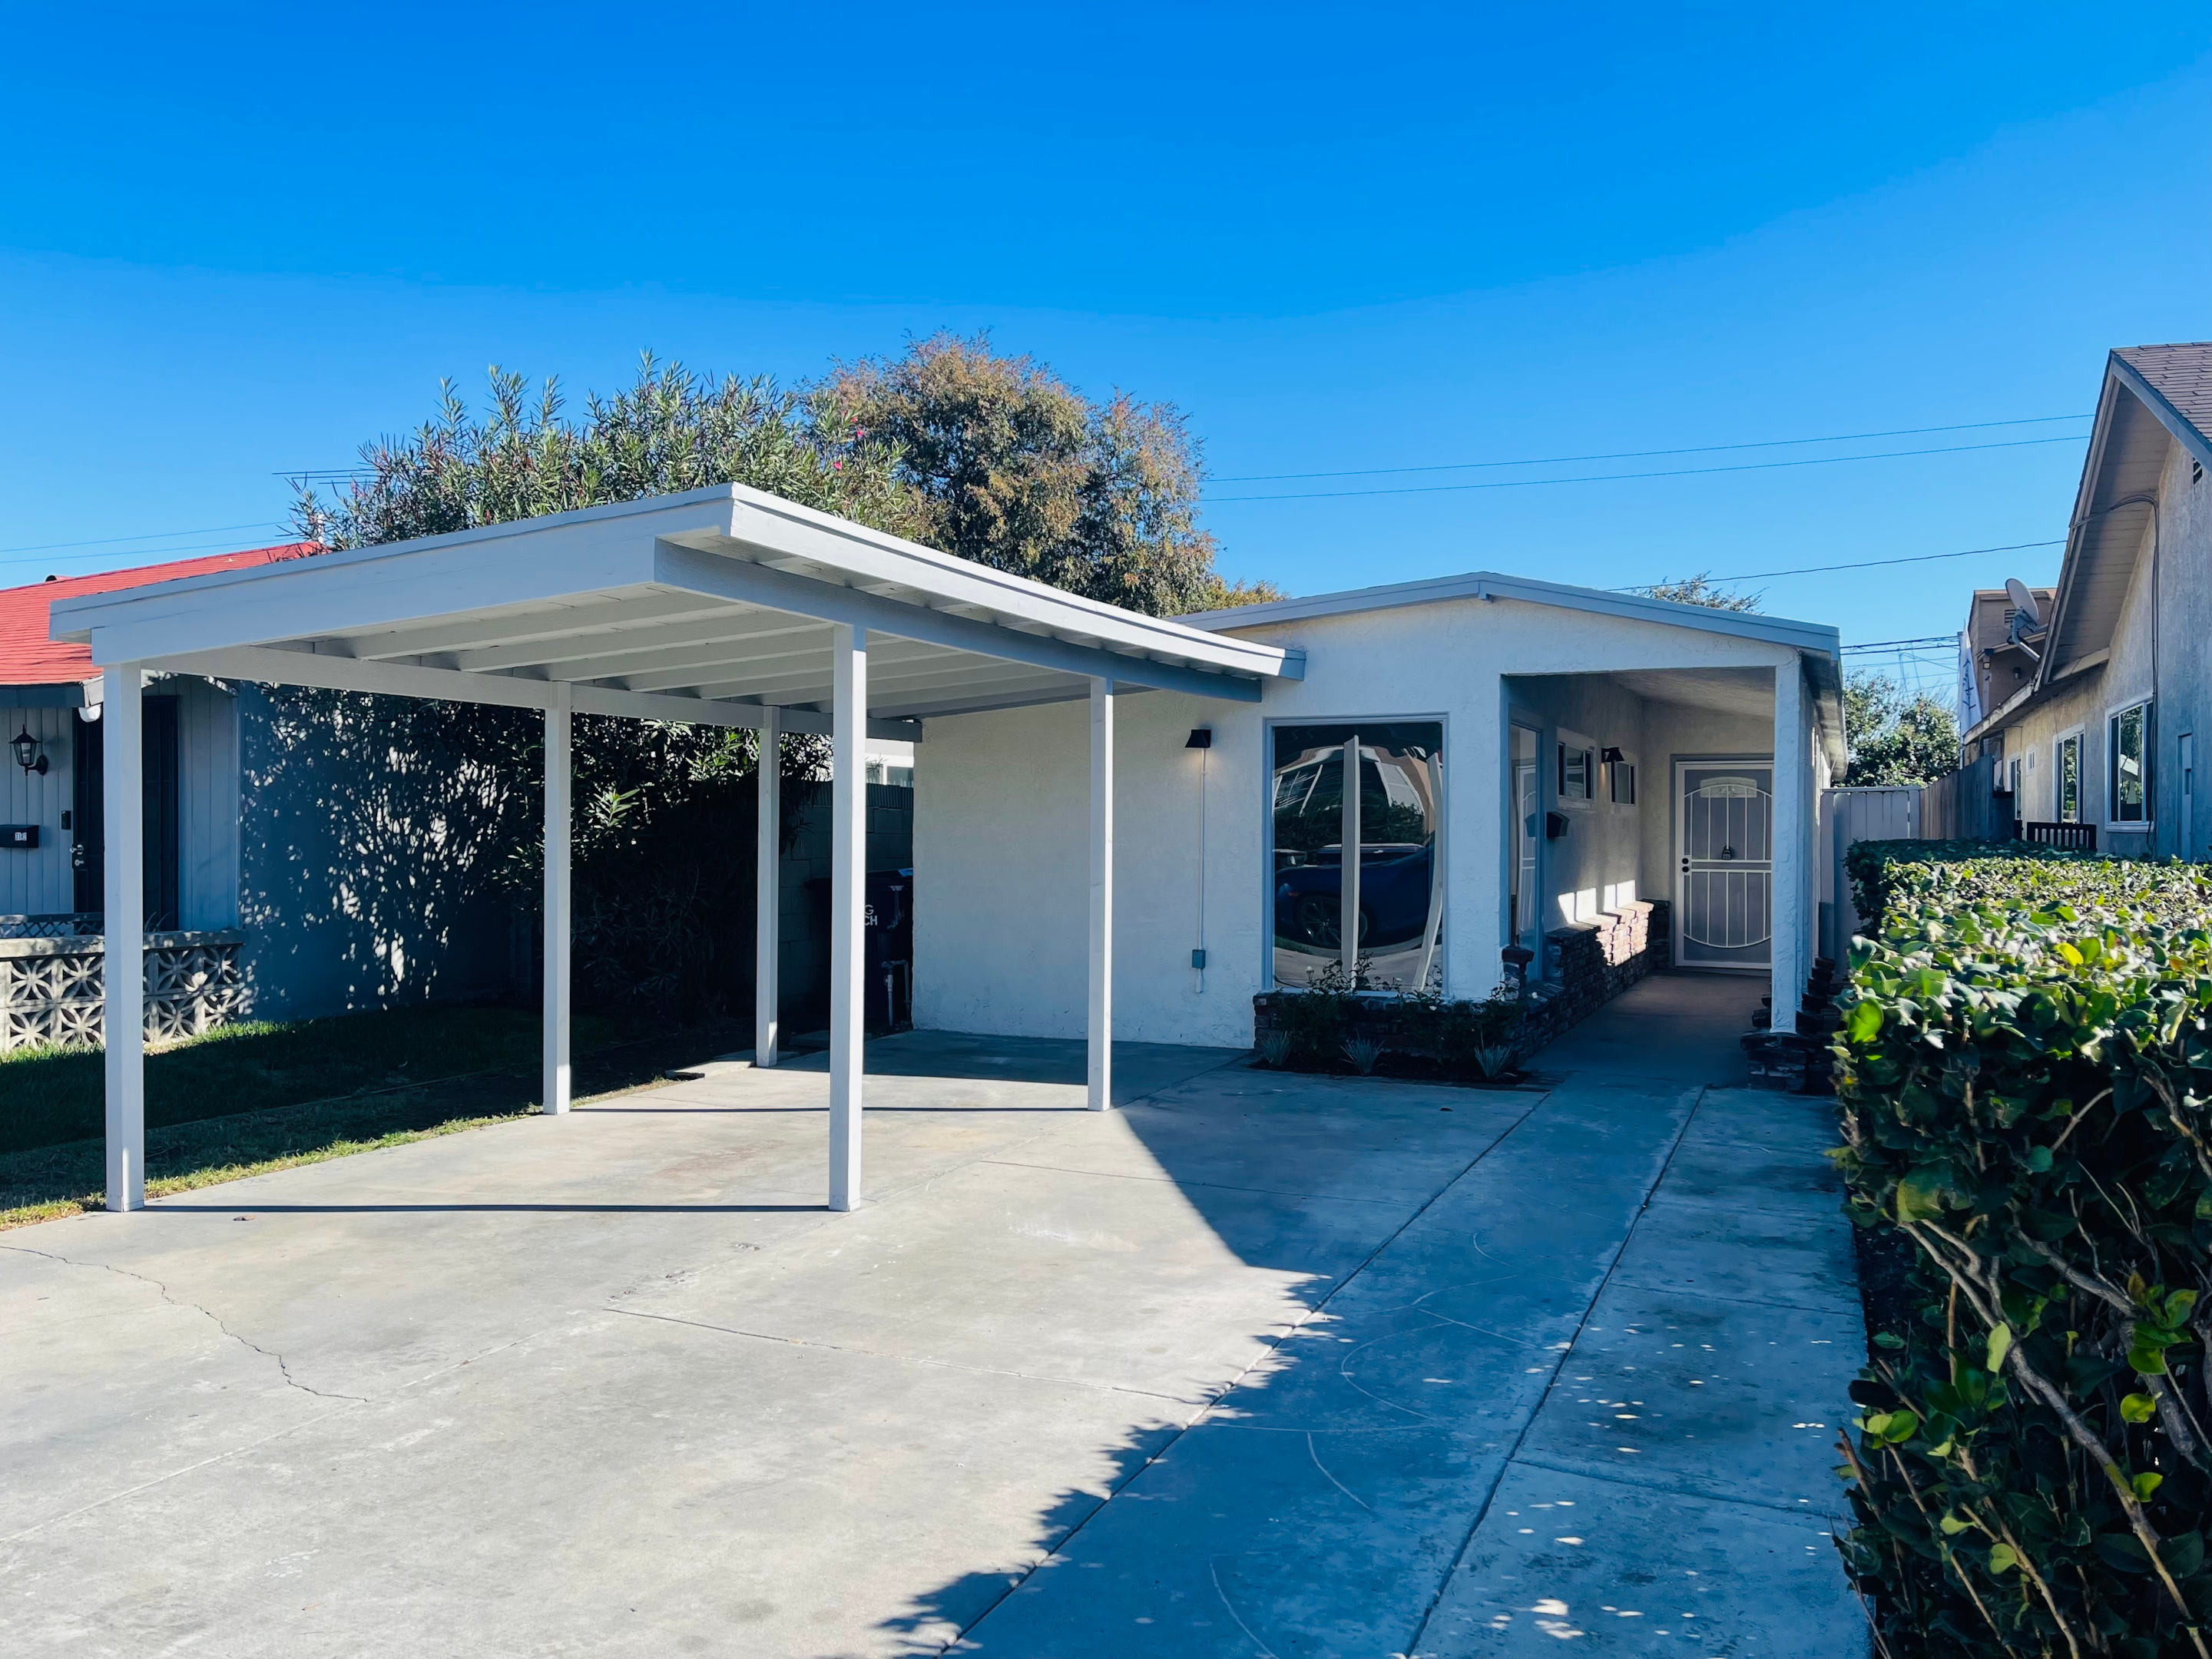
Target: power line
[[1924, 639], [1645, 454], [151, 536], [1862, 564], [1615, 477]]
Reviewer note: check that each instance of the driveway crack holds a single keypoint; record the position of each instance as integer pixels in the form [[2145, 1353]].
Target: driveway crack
[[283, 1368]]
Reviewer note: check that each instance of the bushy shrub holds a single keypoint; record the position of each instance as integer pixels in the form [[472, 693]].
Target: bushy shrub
[[2024, 1071]]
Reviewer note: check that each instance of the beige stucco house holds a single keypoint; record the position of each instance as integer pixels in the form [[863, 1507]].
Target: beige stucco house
[[2092, 706]]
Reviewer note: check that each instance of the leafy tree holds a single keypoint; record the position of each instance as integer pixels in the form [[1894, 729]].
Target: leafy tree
[[670, 431], [1894, 738], [1009, 465], [1701, 590]]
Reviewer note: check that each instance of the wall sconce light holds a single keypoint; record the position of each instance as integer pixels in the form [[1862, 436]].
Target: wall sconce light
[[1613, 756], [27, 752], [1201, 737]]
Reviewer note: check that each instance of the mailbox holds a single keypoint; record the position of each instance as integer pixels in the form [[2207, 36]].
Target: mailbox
[[19, 835]]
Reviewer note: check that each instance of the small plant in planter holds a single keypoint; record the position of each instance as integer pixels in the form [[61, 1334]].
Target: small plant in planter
[[1363, 1053], [1274, 1049]]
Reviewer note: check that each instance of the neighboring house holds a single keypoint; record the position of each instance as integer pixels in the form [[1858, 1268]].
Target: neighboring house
[[1993, 664], [2091, 716], [268, 825]]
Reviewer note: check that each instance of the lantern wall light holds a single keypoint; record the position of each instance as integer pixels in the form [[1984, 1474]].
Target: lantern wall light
[[27, 752]]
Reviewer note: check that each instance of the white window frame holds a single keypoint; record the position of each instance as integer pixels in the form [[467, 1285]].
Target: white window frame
[[2148, 820], [2078, 734], [1566, 742]]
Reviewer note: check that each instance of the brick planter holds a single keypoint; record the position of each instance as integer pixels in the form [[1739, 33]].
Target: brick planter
[[1590, 962]]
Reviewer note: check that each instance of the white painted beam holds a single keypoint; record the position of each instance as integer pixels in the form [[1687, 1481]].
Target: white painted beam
[[123, 784], [1350, 834], [1793, 877], [753, 584], [848, 881], [595, 616], [767, 918], [729, 624], [1099, 1029], [559, 929], [503, 690]]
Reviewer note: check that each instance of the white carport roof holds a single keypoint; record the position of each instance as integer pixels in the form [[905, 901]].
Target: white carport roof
[[711, 606]]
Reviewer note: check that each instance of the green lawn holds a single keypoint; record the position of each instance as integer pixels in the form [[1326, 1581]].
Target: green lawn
[[257, 1098]]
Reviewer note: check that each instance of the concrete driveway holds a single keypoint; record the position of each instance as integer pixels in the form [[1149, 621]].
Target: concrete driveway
[[1260, 1365]]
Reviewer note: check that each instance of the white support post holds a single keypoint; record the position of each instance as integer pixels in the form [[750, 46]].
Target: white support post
[[1350, 836], [1100, 1030], [1792, 877], [559, 788], [848, 896], [768, 889], [124, 898]]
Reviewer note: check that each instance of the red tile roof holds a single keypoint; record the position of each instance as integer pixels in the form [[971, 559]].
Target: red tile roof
[[29, 657]]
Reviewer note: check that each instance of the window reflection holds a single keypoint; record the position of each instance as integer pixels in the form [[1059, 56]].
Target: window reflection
[[1401, 785]]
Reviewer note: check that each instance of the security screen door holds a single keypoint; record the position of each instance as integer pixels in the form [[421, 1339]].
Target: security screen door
[[1724, 864]]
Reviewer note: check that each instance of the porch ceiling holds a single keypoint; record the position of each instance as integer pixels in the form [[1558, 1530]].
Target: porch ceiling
[[715, 605], [1746, 691]]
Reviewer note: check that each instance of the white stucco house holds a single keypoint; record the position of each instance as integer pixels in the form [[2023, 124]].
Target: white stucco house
[[1124, 826], [2093, 692]]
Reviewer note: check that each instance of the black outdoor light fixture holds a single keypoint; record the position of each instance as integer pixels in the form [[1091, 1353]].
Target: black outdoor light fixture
[[1613, 756], [27, 752], [1201, 737]]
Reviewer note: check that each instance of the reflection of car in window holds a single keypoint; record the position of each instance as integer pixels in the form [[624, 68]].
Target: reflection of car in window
[[1394, 897]]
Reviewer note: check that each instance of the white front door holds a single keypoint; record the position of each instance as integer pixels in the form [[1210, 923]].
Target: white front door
[[1723, 864]]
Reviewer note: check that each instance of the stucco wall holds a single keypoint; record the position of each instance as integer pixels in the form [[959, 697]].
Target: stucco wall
[[2160, 642], [1001, 817]]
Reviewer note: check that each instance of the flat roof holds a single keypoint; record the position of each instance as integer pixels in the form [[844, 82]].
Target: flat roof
[[721, 599]]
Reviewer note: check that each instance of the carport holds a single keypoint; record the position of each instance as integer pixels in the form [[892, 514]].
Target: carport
[[724, 606]]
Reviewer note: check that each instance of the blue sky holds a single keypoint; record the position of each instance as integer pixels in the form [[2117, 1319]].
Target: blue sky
[[236, 244]]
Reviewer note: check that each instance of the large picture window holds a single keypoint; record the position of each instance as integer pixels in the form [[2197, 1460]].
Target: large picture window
[[1398, 809], [2128, 746]]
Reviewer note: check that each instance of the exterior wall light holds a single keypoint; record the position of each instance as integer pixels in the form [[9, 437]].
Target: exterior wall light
[[27, 752], [1613, 756], [1201, 737]]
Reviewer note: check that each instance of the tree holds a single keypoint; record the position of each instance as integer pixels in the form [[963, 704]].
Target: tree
[[1009, 465], [1700, 590], [1892, 739], [670, 431]]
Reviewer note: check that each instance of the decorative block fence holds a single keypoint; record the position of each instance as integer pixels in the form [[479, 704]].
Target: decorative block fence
[[51, 969]]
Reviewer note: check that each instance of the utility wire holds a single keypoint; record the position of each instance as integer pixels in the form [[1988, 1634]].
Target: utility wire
[[1862, 564], [151, 536], [1614, 478], [1645, 454]]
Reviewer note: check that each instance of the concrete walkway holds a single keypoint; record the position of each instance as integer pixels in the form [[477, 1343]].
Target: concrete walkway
[[1366, 1369]]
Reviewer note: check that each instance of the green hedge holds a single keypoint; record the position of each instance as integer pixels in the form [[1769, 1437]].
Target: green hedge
[[2024, 1072]]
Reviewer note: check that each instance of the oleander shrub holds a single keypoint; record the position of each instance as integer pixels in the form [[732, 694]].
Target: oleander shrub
[[2024, 1072]]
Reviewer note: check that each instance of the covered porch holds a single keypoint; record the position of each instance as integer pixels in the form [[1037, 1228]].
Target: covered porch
[[1689, 789], [724, 606]]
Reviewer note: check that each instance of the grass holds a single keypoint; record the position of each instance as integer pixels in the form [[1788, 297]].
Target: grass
[[383, 1079], [49, 1095]]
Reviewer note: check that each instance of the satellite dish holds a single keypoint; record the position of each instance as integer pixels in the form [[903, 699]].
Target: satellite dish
[[2023, 602]]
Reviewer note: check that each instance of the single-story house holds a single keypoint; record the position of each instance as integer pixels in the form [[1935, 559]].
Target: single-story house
[[290, 868], [1124, 825], [2091, 695]]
